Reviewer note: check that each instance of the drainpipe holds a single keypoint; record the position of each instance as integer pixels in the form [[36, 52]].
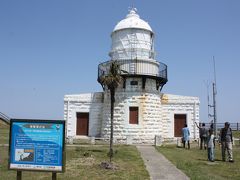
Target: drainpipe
[[67, 117], [194, 119]]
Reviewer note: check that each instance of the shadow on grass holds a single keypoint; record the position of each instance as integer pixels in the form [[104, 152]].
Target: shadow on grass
[[205, 160], [96, 150]]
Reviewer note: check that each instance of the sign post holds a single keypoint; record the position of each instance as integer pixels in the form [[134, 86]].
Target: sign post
[[54, 176], [37, 145], [19, 175]]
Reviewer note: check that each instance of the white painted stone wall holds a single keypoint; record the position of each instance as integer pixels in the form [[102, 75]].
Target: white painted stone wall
[[156, 113], [90, 103], [174, 104], [149, 103]]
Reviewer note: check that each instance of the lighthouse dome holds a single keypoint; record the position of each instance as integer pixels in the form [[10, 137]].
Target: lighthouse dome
[[132, 38], [132, 20]]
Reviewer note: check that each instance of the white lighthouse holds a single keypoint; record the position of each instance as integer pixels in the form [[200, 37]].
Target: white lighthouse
[[141, 111], [138, 101]]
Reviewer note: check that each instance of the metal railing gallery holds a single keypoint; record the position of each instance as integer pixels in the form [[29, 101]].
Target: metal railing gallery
[[142, 67]]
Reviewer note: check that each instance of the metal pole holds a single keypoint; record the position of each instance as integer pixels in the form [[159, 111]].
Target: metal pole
[[214, 96], [54, 176], [207, 85], [19, 175], [214, 110], [194, 126]]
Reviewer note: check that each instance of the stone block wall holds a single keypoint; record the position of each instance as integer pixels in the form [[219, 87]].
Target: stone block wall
[[149, 103], [174, 104], [87, 103], [155, 118]]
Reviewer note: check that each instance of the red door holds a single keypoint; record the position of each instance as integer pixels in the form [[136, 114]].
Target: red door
[[82, 123], [179, 122], [133, 115]]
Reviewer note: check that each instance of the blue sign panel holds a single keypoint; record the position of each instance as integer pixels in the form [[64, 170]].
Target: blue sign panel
[[36, 145]]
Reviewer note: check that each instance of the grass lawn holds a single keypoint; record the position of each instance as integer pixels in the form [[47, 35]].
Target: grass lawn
[[236, 134], [4, 133], [84, 163], [194, 163]]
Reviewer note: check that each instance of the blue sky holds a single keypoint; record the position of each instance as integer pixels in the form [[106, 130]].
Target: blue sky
[[52, 48]]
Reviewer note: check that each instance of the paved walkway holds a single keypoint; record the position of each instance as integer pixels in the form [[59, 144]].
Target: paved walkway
[[158, 166]]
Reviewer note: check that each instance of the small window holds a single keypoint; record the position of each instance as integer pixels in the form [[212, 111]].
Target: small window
[[133, 115], [134, 83]]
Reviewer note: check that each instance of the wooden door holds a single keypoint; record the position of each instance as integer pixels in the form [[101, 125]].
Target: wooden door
[[179, 121], [133, 115], [82, 123]]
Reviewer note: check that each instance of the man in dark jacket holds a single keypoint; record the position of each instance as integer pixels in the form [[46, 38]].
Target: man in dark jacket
[[203, 132], [226, 142]]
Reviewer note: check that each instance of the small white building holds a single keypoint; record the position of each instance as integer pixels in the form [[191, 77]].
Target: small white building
[[141, 111]]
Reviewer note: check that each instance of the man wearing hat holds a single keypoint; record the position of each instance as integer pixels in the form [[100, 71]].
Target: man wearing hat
[[226, 142]]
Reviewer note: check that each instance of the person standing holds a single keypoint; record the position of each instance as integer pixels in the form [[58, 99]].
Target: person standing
[[185, 136], [226, 142], [203, 135], [210, 145]]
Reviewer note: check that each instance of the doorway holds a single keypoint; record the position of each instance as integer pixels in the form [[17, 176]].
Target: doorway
[[179, 121], [82, 124]]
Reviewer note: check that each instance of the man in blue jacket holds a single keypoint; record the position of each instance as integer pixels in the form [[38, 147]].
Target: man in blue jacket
[[185, 136]]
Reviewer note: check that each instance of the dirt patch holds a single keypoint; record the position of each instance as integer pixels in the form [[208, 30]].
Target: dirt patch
[[108, 165]]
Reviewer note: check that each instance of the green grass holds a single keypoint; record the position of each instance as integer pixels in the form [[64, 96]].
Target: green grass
[[236, 134], [84, 163], [126, 158], [194, 163], [4, 133]]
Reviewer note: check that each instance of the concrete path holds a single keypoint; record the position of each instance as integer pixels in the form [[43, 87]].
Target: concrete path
[[158, 166]]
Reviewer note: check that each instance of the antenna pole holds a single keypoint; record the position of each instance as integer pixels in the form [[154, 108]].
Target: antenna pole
[[214, 110], [215, 79], [214, 99], [207, 86], [208, 101], [214, 105]]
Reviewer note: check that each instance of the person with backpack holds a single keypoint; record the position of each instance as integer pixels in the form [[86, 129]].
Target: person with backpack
[[226, 142], [203, 132]]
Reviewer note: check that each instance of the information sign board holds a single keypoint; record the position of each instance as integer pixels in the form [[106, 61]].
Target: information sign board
[[37, 145]]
